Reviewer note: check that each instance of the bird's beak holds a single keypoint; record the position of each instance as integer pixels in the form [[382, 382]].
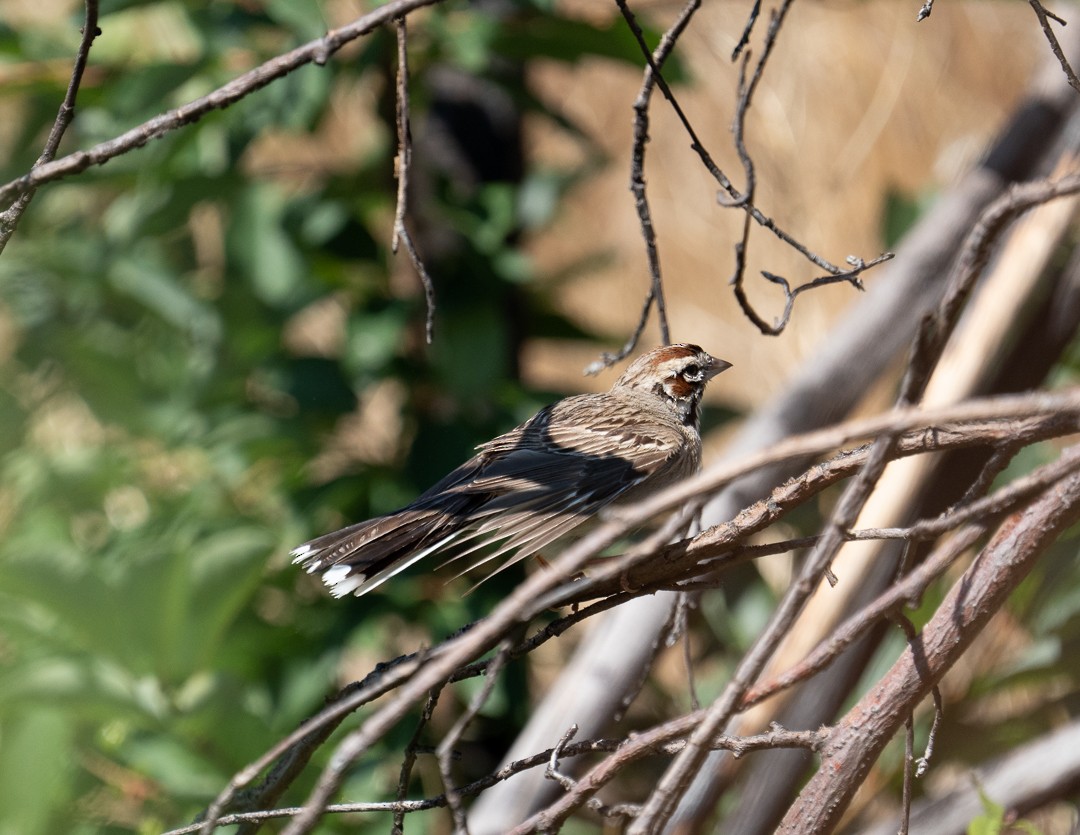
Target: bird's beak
[[715, 367]]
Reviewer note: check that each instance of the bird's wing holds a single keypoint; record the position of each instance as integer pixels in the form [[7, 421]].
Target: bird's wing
[[589, 429], [550, 475]]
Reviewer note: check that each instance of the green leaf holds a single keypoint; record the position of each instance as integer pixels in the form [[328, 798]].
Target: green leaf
[[263, 249], [305, 19], [899, 215], [36, 769], [180, 771]]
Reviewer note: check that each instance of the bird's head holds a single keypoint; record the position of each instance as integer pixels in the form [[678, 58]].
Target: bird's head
[[676, 374]]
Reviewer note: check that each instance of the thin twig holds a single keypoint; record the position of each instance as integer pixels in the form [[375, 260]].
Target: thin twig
[[637, 187], [681, 629], [851, 277], [908, 628], [939, 713], [668, 739], [747, 30], [909, 767], [445, 751], [662, 740], [746, 91], [1045, 16], [9, 218], [738, 133], [402, 168], [552, 772], [409, 760], [978, 246], [1000, 458]]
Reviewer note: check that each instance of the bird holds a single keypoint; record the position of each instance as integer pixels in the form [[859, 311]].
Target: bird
[[533, 485]]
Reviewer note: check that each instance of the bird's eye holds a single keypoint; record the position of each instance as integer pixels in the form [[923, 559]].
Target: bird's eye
[[692, 372]]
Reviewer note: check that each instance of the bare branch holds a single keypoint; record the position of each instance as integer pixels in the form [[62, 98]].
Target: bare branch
[[666, 738], [1045, 17], [681, 629], [662, 740], [938, 326], [9, 218], [445, 750], [939, 712], [909, 758], [744, 39], [316, 51], [409, 760], [404, 164], [849, 276]]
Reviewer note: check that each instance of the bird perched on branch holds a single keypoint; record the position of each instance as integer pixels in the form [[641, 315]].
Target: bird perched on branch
[[525, 489]]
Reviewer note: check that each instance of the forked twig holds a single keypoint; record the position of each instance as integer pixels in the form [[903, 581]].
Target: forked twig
[[1045, 16]]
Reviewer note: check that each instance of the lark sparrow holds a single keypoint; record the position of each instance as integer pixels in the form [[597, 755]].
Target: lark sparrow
[[527, 488]]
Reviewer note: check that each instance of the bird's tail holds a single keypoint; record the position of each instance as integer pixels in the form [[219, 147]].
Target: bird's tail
[[360, 557]]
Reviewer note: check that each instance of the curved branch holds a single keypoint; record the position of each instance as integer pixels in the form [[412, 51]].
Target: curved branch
[[314, 52]]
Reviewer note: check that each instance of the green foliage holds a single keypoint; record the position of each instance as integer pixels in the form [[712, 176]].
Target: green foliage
[[181, 331]]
